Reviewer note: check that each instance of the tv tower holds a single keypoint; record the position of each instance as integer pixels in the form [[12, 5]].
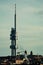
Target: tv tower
[[13, 37]]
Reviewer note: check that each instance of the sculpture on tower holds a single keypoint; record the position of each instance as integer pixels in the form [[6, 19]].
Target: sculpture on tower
[[13, 37]]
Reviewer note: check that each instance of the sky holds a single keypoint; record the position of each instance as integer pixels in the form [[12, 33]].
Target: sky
[[29, 16]]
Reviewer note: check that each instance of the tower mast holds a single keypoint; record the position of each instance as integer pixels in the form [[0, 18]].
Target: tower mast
[[15, 28], [13, 37], [15, 18]]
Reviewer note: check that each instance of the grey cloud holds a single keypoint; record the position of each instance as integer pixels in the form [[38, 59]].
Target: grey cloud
[[40, 12]]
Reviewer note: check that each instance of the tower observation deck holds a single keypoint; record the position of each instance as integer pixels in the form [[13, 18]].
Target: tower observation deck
[[13, 37]]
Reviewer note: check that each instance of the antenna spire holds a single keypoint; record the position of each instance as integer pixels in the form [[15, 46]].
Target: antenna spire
[[15, 18], [15, 8]]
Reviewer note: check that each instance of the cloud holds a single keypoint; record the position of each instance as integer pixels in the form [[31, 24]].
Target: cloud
[[31, 10], [40, 12], [31, 28], [7, 8]]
